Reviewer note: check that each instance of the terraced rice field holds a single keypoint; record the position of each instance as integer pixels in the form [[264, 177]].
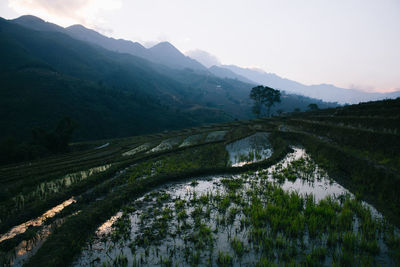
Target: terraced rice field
[[317, 188], [290, 213]]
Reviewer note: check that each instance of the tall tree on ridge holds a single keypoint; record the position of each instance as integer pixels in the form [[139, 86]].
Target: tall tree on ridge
[[264, 95]]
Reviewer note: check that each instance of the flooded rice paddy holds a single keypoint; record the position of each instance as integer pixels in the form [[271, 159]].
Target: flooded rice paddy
[[137, 149], [45, 189], [215, 136], [290, 213], [28, 247], [167, 144], [175, 142], [251, 149], [40, 228], [102, 146], [192, 140], [19, 229]]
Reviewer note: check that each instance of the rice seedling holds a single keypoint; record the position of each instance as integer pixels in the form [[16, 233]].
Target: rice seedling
[[252, 217], [237, 246], [224, 259]]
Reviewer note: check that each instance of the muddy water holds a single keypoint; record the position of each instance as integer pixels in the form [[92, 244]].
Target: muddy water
[[175, 244], [248, 150]]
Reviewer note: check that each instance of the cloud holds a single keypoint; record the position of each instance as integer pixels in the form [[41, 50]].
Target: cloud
[[204, 58], [64, 12], [372, 89]]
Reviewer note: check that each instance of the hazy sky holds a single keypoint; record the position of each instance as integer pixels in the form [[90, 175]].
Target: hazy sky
[[348, 43]]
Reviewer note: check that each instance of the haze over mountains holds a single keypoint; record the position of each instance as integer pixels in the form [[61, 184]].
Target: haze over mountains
[[115, 88], [163, 53], [48, 72], [325, 92], [166, 54]]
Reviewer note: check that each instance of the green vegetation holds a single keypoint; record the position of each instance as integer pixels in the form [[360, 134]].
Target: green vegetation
[[47, 75], [245, 217], [206, 157], [125, 186], [108, 94], [358, 153], [255, 221], [264, 96], [313, 106]]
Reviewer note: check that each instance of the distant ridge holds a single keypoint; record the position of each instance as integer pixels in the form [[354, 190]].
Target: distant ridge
[[163, 53], [38, 24], [227, 73], [325, 92], [167, 54], [47, 74], [119, 45]]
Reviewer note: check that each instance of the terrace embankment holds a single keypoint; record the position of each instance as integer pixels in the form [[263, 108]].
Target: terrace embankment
[[356, 145]]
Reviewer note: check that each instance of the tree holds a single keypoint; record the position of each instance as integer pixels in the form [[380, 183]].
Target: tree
[[313, 106], [264, 96], [257, 108]]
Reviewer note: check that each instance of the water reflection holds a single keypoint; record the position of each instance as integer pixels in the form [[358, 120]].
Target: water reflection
[[166, 144], [215, 136], [192, 140], [138, 149], [250, 149], [43, 190], [20, 229], [204, 195]]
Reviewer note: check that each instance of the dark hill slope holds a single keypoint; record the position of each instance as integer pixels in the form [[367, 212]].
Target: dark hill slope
[[163, 53], [46, 75], [123, 46], [202, 90]]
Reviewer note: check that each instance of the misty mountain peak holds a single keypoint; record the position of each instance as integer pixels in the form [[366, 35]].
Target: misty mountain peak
[[38, 24], [29, 18], [165, 46], [167, 54], [77, 27], [203, 57], [80, 29]]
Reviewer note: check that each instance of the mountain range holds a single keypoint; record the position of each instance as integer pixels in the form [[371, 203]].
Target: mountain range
[[166, 54], [163, 53], [113, 87], [325, 92]]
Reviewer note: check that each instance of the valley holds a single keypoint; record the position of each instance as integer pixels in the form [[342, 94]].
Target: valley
[[150, 151], [314, 188]]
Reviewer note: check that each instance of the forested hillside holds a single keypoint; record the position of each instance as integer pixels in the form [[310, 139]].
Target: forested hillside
[[47, 75]]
